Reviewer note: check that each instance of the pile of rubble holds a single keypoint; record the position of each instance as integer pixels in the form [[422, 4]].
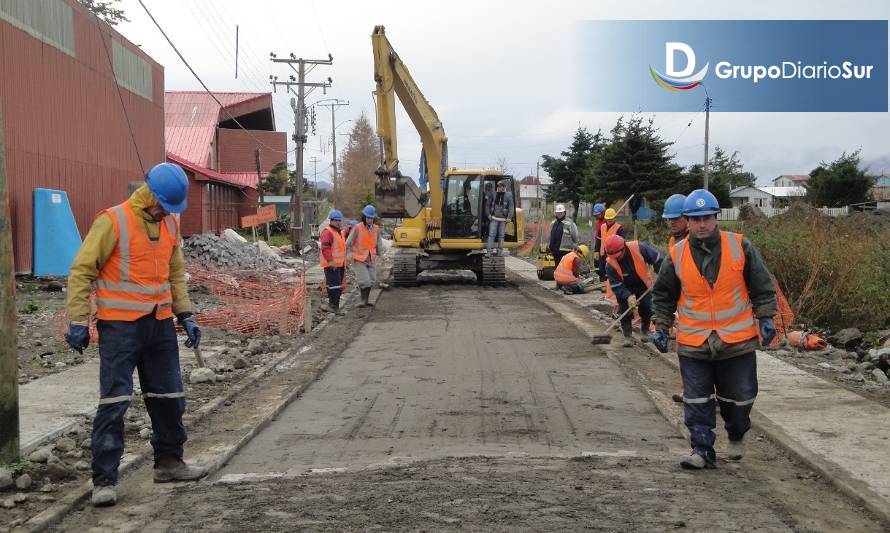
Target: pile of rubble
[[232, 252], [847, 354]]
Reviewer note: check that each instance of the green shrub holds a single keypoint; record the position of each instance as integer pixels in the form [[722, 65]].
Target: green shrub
[[833, 271]]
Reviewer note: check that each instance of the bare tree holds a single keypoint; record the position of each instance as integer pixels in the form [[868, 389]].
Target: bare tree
[[502, 165]]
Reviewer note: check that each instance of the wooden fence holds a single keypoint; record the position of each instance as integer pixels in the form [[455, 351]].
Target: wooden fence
[[733, 213]]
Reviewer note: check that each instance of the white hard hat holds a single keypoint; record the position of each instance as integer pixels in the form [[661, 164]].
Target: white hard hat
[[560, 208]]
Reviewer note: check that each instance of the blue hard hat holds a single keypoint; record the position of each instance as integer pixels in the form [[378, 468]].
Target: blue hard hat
[[699, 203], [335, 215], [353, 222], [599, 208], [169, 184], [673, 207], [369, 211]]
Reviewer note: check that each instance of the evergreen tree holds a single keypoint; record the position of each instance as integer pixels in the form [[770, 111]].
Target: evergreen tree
[[839, 183], [635, 161], [569, 171], [358, 162]]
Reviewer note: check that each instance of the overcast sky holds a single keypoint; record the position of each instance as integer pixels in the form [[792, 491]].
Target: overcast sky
[[500, 74]]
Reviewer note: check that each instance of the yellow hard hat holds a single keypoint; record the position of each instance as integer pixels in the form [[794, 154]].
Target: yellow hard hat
[[584, 250], [610, 214]]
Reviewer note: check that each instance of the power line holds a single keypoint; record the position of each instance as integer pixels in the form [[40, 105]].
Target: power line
[[207, 90], [320, 29]]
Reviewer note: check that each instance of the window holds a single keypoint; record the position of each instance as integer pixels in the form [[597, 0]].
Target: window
[[462, 205], [132, 72], [51, 21]]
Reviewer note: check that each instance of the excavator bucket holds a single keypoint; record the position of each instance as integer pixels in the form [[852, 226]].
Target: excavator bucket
[[398, 197]]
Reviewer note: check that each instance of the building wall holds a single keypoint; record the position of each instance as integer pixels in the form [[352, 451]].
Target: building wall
[[62, 119], [192, 221], [753, 196], [236, 149]]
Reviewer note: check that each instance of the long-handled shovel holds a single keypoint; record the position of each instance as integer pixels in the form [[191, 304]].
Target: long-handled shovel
[[605, 338]]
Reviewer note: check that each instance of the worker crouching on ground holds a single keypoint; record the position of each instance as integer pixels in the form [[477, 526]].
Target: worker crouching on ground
[[628, 275], [608, 228], [567, 273], [500, 211], [333, 260], [366, 245], [563, 234], [718, 284], [132, 257]]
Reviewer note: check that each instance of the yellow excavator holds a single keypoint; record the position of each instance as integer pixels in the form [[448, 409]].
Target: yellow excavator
[[443, 220]]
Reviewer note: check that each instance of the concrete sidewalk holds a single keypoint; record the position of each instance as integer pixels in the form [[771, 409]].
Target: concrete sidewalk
[[836, 431]]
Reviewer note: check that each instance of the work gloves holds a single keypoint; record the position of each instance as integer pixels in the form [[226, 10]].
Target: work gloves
[[660, 340], [767, 331], [191, 329], [632, 301], [78, 336]]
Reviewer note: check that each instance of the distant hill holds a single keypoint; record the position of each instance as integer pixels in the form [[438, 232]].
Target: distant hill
[[324, 185]]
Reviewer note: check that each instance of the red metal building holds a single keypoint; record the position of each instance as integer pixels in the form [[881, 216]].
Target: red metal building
[[219, 156], [63, 122]]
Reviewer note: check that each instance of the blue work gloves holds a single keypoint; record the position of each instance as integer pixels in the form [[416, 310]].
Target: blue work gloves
[[767, 331], [78, 336], [660, 340], [191, 329]]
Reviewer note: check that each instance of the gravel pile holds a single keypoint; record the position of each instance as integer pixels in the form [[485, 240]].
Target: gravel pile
[[212, 251]]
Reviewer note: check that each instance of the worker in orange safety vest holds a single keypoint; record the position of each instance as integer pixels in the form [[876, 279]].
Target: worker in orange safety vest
[[724, 298], [132, 258], [365, 245], [332, 259], [627, 272], [567, 273]]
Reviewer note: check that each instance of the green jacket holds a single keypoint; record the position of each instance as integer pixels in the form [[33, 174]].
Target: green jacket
[[98, 246], [706, 254]]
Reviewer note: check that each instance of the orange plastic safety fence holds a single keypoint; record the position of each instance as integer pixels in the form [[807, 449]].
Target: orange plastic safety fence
[[251, 302], [784, 315], [528, 245]]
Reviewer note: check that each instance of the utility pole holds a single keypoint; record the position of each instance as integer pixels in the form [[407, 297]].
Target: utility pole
[[300, 129], [9, 365], [707, 126], [334, 104]]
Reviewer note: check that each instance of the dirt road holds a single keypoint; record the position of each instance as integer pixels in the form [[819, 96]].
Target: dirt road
[[462, 408]]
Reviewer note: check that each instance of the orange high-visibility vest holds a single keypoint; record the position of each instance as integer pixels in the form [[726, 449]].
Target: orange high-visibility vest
[[135, 280], [725, 307], [638, 261], [338, 251], [365, 243], [565, 272], [672, 241], [606, 232]]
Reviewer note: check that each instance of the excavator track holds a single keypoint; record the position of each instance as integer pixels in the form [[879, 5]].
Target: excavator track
[[404, 269], [494, 271]]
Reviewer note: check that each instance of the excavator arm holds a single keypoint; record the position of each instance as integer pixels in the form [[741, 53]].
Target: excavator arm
[[398, 195]]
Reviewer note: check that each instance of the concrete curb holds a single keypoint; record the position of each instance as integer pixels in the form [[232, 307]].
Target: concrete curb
[[835, 474], [50, 516]]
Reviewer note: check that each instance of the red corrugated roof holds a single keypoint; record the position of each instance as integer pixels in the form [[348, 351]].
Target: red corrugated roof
[[245, 179], [203, 173], [191, 117]]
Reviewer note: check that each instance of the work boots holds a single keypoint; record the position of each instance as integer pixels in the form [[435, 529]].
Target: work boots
[[104, 496], [695, 461], [735, 450], [335, 308], [365, 295], [169, 468], [645, 334]]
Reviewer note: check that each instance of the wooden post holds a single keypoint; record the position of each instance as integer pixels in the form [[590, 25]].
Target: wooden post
[[9, 383]]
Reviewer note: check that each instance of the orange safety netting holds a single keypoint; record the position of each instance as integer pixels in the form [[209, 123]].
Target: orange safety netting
[[784, 315], [529, 245], [251, 302]]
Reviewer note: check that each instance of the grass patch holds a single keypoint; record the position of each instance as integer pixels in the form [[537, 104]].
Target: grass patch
[[29, 308]]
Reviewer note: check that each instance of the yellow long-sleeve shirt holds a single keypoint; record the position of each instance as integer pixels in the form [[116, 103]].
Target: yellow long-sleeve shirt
[[98, 246]]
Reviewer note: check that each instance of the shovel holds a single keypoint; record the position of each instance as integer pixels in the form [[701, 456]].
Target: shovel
[[198, 357], [605, 338]]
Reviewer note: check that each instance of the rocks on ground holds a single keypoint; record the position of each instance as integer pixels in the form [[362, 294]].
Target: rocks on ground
[[210, 250]]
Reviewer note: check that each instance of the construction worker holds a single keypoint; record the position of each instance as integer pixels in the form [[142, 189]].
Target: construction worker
[[628, 274], [132, 257], [599, 211], [608, 228], [333, 260], [500, 211], [567, 273], [718, 284], [365, 245], [563, 234], [673, 213]]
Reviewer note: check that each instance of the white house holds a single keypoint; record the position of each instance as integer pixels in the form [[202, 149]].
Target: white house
[[790, 180], [532, 196], [765, 197]]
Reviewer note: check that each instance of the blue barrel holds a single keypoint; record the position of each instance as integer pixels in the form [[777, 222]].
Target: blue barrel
[[56, 239]]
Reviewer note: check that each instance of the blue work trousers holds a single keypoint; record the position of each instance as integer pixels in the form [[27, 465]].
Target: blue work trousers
[[731, 384], [334, 277], [496, 233], [148, 345]]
